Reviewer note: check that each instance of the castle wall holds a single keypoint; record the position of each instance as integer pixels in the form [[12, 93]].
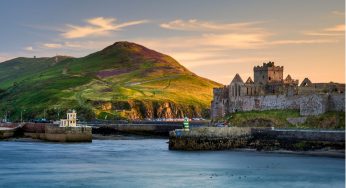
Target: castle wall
[[314, 104], [336, 102], [218, 108], [267, 102]]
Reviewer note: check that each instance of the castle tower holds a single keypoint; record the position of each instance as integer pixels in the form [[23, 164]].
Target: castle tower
[[268, 73]]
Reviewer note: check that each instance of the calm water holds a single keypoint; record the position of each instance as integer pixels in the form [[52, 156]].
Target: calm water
[[148, 163]]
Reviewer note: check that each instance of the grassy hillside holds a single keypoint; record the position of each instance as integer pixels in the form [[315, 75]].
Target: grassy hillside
[[124, 80]]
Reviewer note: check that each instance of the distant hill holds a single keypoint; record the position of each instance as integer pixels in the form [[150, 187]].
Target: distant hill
[[124, 80]]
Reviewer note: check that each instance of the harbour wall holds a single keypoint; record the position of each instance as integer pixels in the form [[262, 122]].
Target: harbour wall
[[50, 132], [68, 134], [8, 130], [144, 128], [147, 129], [215, 138]]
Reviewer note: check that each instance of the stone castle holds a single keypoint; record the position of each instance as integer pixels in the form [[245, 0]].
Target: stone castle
[[270, 90]]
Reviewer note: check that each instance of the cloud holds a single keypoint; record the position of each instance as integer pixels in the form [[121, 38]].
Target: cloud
[[195, 59], [327, 34], [198, 52], [335, 31], [29, 48], [234, 40], [302, 41], [52, 45], [338, 13], [77, 45], [210, 43], [197, 25], [337, 28], [96, 27]]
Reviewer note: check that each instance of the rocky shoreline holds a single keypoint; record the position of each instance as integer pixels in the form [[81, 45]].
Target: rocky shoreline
[[261, 139]]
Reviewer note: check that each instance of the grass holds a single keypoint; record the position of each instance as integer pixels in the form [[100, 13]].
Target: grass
[[278, 119], [329, 120]]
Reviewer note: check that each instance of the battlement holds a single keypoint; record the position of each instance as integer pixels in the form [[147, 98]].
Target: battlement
[[268, 66], [268, 73]]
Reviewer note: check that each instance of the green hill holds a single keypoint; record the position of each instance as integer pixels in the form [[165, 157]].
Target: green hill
[[124, 80]]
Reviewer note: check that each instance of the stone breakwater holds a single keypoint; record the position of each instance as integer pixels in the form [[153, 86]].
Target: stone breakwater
[[215, 138], [54, 133], [8, 130], [48, 132]]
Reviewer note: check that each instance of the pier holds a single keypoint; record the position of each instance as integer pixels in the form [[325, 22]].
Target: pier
[[46, 131]]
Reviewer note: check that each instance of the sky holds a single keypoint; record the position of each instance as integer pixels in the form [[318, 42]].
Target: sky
[[214, 39]]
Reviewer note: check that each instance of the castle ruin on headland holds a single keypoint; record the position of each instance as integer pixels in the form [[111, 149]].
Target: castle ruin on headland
[[270, 90]]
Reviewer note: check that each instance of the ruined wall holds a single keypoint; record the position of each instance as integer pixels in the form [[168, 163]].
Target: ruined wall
[[268, 102], [217, 108], [313, 104], [336, 102], [219, 102]]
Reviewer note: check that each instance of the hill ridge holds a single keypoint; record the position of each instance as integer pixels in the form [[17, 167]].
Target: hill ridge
[[123, 80]]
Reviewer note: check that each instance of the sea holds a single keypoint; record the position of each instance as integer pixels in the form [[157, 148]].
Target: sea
[[142, 162]]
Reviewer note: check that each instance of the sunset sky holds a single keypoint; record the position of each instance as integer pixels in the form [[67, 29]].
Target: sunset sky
[[215, 39]]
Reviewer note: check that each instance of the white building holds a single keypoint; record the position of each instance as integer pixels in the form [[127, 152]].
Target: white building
[[71, 120]]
